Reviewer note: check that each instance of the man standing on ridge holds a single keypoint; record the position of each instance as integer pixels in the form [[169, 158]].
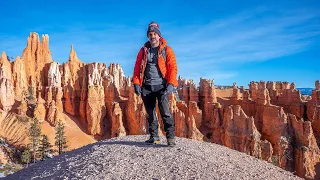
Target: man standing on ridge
[[154, 77]]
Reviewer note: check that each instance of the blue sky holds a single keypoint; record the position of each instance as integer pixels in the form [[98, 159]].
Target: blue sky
[[228, 41]]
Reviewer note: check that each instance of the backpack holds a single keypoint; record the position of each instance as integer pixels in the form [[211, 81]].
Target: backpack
[[163, 53]]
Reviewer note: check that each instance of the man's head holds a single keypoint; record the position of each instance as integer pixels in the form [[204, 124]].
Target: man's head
[[154, 33]]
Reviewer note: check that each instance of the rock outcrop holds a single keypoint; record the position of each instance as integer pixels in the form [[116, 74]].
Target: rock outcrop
[[307, 154], [188, 120], [37, 55], [270, 120], [19, 79], [13, 128], [5, 65], [240, 133], [119, 97], [72, 80], [127, 158], [313, 111], [6, 91]]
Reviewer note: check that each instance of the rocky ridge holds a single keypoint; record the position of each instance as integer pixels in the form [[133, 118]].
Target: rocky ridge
[[270, 120], [130, 158]]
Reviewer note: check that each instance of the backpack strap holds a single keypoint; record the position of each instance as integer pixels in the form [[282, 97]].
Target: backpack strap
[[163, 53], [142, 62], [142, 52]]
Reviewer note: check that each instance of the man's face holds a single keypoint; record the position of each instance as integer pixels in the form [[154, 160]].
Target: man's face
[[153, 38]]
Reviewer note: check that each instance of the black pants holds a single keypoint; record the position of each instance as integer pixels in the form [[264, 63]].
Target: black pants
[[149, 96]]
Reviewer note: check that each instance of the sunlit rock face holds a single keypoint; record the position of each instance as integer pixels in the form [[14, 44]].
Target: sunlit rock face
[[269, 120]]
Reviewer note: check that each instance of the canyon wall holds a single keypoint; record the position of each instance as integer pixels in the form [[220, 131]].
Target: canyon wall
[[269, 120]]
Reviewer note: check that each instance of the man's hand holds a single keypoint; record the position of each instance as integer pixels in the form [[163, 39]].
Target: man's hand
[[137, 89], [169, 89]]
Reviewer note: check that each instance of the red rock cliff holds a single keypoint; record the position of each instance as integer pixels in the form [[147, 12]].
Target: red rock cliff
[[270, 120]]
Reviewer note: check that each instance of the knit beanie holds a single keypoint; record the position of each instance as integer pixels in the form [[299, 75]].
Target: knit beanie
[[154, 27]]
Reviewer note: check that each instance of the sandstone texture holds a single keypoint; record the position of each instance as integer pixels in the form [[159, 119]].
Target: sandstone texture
[[270, 121]]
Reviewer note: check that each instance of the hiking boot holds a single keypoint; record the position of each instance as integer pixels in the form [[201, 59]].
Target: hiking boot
[[171, 142], [153, 140]]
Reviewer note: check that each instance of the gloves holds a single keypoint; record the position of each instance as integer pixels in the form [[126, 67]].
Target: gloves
[[137, 89], [169, 89]]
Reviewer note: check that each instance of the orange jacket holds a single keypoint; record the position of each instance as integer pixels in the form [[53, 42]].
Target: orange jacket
[[168, 69]]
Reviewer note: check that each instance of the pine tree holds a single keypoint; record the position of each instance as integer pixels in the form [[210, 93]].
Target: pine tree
[[45, 147], [26, 156], [34, 137], [61, 140]]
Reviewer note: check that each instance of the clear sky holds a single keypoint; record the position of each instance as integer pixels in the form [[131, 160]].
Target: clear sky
[[228, 41]]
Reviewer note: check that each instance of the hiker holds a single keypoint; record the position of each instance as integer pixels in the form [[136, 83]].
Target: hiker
[[154, 77]]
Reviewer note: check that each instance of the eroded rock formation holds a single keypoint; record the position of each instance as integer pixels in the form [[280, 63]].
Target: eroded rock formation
[[7, 98], [270, 120], [37, 55]]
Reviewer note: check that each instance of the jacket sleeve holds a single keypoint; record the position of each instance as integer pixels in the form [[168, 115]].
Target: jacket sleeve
[[136, 70], [172, 69]]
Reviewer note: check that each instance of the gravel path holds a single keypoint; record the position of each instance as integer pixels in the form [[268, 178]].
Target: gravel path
[[130, 158]]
